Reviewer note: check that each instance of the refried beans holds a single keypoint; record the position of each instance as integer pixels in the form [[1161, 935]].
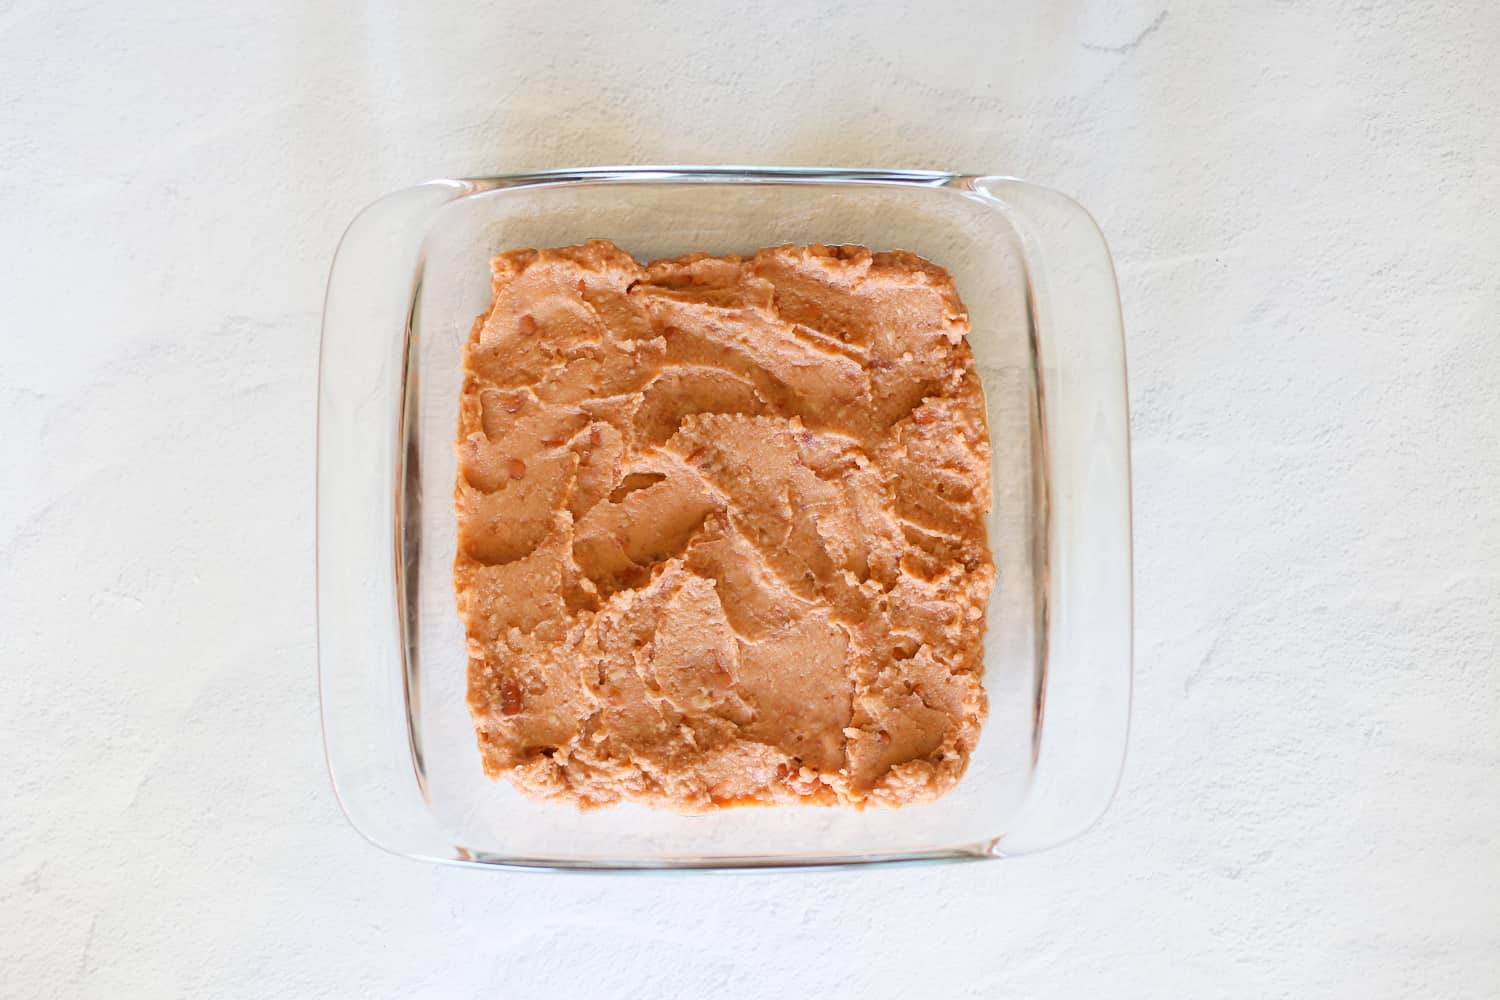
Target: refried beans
[[721, 533]]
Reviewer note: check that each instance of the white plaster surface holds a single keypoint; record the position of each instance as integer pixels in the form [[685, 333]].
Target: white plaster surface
[[1304, 203]]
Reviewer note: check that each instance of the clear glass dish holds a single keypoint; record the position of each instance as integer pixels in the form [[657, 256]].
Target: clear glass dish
[[410, 275]]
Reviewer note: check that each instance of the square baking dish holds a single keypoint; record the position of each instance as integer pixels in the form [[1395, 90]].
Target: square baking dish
[[409, 277]]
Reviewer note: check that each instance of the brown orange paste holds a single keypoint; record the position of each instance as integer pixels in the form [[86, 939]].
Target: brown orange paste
[[721, 528]]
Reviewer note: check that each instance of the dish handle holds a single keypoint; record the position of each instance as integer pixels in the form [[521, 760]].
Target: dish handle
[[362, 676], [1083, 704]]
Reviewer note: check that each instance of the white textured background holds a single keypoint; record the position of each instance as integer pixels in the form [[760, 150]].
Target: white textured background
[[1304, 202]]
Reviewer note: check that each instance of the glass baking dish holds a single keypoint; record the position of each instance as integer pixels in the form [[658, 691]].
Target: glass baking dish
[[409, 277]]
